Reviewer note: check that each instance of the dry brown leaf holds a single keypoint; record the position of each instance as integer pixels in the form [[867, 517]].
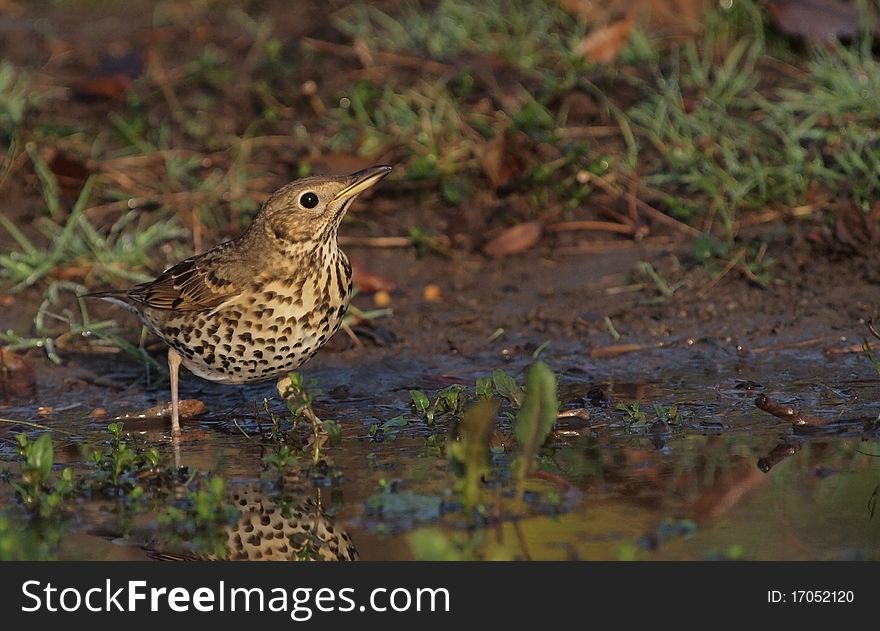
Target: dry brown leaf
[[666, 18], [70, 172], [603, 45], [366, 282], [515, 239], [501, 159], [821, 21], [17, 379], [111, 78]]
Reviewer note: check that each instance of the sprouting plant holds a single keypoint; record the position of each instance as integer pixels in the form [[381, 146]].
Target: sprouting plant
[[471, 451], [671, 414], [535, 419], [422, 404], [281, 458], [484, 388], [637, 419], [449, 401], [40, 497], [299, 396], [202, 517], [119, 467], [632, 412]]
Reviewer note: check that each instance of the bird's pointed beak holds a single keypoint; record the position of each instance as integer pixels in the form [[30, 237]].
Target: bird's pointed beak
[[362, 180]]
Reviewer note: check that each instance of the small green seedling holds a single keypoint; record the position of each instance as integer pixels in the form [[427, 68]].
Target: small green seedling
[[535, 419]]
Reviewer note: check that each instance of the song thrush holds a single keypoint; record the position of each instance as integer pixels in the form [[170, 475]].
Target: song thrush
[[258, 306]]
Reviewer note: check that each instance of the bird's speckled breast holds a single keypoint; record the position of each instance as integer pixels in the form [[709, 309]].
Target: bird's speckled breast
[[271, 327]]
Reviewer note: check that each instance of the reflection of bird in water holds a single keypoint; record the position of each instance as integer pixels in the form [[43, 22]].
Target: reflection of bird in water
[[264, 533], [285, 528]]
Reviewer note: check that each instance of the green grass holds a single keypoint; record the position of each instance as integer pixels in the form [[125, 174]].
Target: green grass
[[533, 36]]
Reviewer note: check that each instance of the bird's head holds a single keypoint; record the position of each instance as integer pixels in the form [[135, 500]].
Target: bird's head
[[311, 208]]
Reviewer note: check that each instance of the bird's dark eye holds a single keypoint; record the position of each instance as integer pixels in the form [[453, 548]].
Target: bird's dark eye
[[308, 200]]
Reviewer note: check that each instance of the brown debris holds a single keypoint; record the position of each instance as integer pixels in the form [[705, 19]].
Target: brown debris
[[817, 21], [112, 78], [515, 239], [502, 159], [366, 282], [669, 19], [69, 172], [787, 412], [189, 408], [603, 45], [17, 381]]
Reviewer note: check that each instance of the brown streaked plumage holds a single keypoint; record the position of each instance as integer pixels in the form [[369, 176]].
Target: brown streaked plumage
[[260, 305], [284, 525]]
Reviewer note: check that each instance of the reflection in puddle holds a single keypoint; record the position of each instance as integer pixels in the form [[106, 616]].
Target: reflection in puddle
[[697, 471]]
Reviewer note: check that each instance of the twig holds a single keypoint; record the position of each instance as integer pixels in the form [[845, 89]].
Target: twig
[[393, 59], [601, 226], [240, 428], [605, 352], [550, 477], [655, 214], [377, 242], [730, 265], [12, 421], [852, 348], [595, 131], [799, 344]]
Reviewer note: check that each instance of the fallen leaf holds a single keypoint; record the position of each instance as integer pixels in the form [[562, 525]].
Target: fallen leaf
[[603, 45], [366, 282], [111, 78], [17, 381], [669, 19], [820, 21], [502, 159], [514, 239], [70, 173]]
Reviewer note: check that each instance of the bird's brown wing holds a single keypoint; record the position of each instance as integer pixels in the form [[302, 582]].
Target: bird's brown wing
[[193, 284]]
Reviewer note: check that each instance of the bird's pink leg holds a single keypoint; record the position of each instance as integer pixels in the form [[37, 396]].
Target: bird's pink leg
[[173, 368]]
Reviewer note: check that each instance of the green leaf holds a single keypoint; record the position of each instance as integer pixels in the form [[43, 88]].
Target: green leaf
[[484, 388], [394, 423], [507, 388], [537, 415], [421, 403], [40, 456], [430, 544], [476, 429], [334, 431]]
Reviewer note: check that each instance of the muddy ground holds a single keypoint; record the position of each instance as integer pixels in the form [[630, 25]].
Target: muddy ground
[[727, 480], [692, 493]]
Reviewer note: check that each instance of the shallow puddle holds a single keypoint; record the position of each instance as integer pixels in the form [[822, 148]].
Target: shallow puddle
[[720, 478]]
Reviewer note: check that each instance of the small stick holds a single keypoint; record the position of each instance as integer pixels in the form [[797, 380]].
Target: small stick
[[852, 348], [606, 352], [12, 421], [550, 477], [787, 412], [661, 217], [601, 226], [799, 344], [377, 242], [393, 59], [730, 265]]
